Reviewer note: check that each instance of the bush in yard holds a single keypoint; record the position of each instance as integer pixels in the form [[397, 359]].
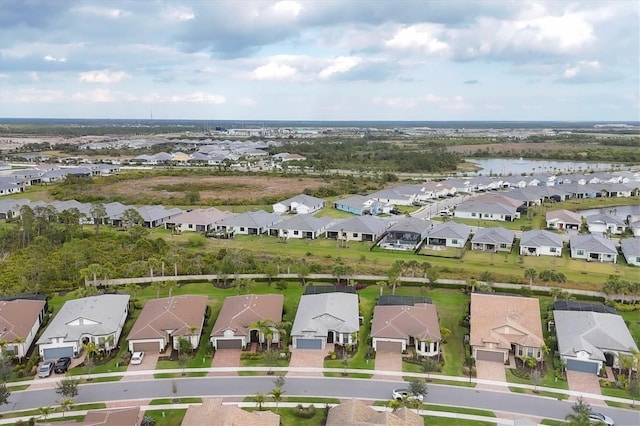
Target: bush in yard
[[304, 412]]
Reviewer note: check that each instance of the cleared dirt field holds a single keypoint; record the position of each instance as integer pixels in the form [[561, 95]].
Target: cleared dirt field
[[213, 187]]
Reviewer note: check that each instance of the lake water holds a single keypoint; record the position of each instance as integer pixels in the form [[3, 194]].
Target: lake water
[[511, 166], [620, 211]]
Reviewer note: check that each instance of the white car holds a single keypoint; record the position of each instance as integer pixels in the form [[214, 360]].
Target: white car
[[403, 393], [136, 358], [600, 419]]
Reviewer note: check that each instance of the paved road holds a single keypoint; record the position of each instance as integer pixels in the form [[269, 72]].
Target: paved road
[[303, 386]]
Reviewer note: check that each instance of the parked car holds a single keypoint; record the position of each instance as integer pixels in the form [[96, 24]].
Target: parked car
[[45, 369], [62, 365], [600, 419], [137, 357], [403, 393]]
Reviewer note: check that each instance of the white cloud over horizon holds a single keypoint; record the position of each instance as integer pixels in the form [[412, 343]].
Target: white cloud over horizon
[[329, 60]]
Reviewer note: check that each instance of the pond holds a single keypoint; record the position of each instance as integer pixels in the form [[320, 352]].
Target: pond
[[620, 211], [510, 166]]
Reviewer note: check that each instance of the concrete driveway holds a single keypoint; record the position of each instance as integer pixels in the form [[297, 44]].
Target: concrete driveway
[[490, 370], [584, 383], [310, 358], [388, 361], [226, 358]]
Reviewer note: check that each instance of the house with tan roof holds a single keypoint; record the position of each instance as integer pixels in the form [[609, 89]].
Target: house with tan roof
[[237, 323], [165, 321], [213, 412], [354, 412], [563, 220], [20, 321], [126, 416], [197, 220], [502, 325], [396, 327]]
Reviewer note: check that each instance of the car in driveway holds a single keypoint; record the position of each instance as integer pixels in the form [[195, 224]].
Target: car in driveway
[[136, 358], [62, 365], [404, 393], [45, 369], [600, 419]]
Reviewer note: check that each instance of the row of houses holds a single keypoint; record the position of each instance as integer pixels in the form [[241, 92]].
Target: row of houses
[[589, 336], [13, 182]]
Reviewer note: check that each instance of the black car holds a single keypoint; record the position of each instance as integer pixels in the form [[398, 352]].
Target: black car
[[62, 364]]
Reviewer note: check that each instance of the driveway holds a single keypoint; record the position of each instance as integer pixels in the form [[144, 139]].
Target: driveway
[[148, 363], [584, 383], [309, 358], [388, 361], [226, 358], [490, 370]]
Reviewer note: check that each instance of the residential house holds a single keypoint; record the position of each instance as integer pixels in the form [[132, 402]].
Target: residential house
[[285, 157], [8, 186], [301, 226], [213, 412], [395, 196], [631, 250], [125, 416], [362, 204], [563, 220], [572, 178], [448, 234], [540, 243], [164, 322], [358, 228], [406, 234], [20, 321], [593, 248], [197, 220], [484, 183], [249, 223], [354, 412], [493, 239], [155, 216], [400, 322], [95, 319], [632, 220], [606, 224], [300, 204], [489, 207], [247, 319], [502, 325], [326, 318], [588, 340], [10, 208]]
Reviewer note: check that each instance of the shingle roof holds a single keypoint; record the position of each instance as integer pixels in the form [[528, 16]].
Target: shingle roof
[[319, 313], [304, 222], [492, 313], [361, 224], [304, 199], [354, 412], [630, 246], [605, 218], [449, 230], [411, 224], [565, 216], [102, 314], [592, 332], [239, 312], [176, 314], [202, 216], [494, 235], [402, 322], [213, 412], [540, 238], [257, 219], [592, 243], [17, 318]]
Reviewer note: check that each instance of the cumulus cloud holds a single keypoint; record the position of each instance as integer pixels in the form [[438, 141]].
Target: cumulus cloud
[[104, 76], [178, 13], [274, 71], [32, 95], [49, 58], [421, 37], [199, 97], [340, 65]]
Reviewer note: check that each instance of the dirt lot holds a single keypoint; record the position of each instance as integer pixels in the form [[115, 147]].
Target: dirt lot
[[213, 187]]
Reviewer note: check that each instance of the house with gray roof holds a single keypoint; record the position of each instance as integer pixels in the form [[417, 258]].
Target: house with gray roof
[[397, 197], [593, 248], [540, 243], [300, 204], [249, 223], [155, 216], [631, 250], [197, 220], [300, 226], [489, 207], [359, 228], [493, 239], [606, 223], [563, 220], [448, 234], [326, 318], [95, 319], [588, 341], [8, 186], [362, 204], [406, 234]]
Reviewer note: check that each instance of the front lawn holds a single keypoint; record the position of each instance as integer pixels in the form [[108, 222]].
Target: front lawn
[[166, 417]]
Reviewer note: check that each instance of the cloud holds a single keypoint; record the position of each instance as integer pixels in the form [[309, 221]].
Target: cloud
[[104, 76], [102, 12], [421, 37], [37, 96], [49, 58], [199, 97], [471, 81], [340, 65], [274, 71], [179, 13]]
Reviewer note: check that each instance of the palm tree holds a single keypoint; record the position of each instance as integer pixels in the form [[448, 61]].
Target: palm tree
[[65, 405], [263, 326], [45, 411], [531, 274], [277, 394], [580, 413], [260, 398]]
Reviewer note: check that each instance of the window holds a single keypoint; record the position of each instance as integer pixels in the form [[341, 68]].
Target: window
[[473, 214], [553, 249], [579, 252], [355, 235], [503, 245], [242, 229], [454, 242], [295, 232], [530, 352], [520, 350]]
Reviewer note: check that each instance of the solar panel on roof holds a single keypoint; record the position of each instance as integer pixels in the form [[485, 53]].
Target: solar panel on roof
[[572, 305], [393, 300], [321, 289]]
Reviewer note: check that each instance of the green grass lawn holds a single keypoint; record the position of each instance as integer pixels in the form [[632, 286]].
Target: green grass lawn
[[163, 401], [559, 396], [548, 380], [166, 417], [36, 412]]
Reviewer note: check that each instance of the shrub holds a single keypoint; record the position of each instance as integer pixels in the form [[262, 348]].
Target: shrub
[[282, 285], [304, 412]]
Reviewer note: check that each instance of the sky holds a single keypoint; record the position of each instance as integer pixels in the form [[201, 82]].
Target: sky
[[321, 60]]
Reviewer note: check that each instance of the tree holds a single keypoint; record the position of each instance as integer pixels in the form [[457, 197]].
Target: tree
[[303, 271], [45, 411], [66, 405], [531, 362], [634, 390], [130, 218], [147, 420], [5, 367], [579, 415], [279, 381], [417, 387], [4, 394], [98, 213], [531, 274], [429, 366], [184, 345], [183, 360], [395, 274], [270, 358], [68, 387], [260, 399], [243, 284], [277, 394]]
